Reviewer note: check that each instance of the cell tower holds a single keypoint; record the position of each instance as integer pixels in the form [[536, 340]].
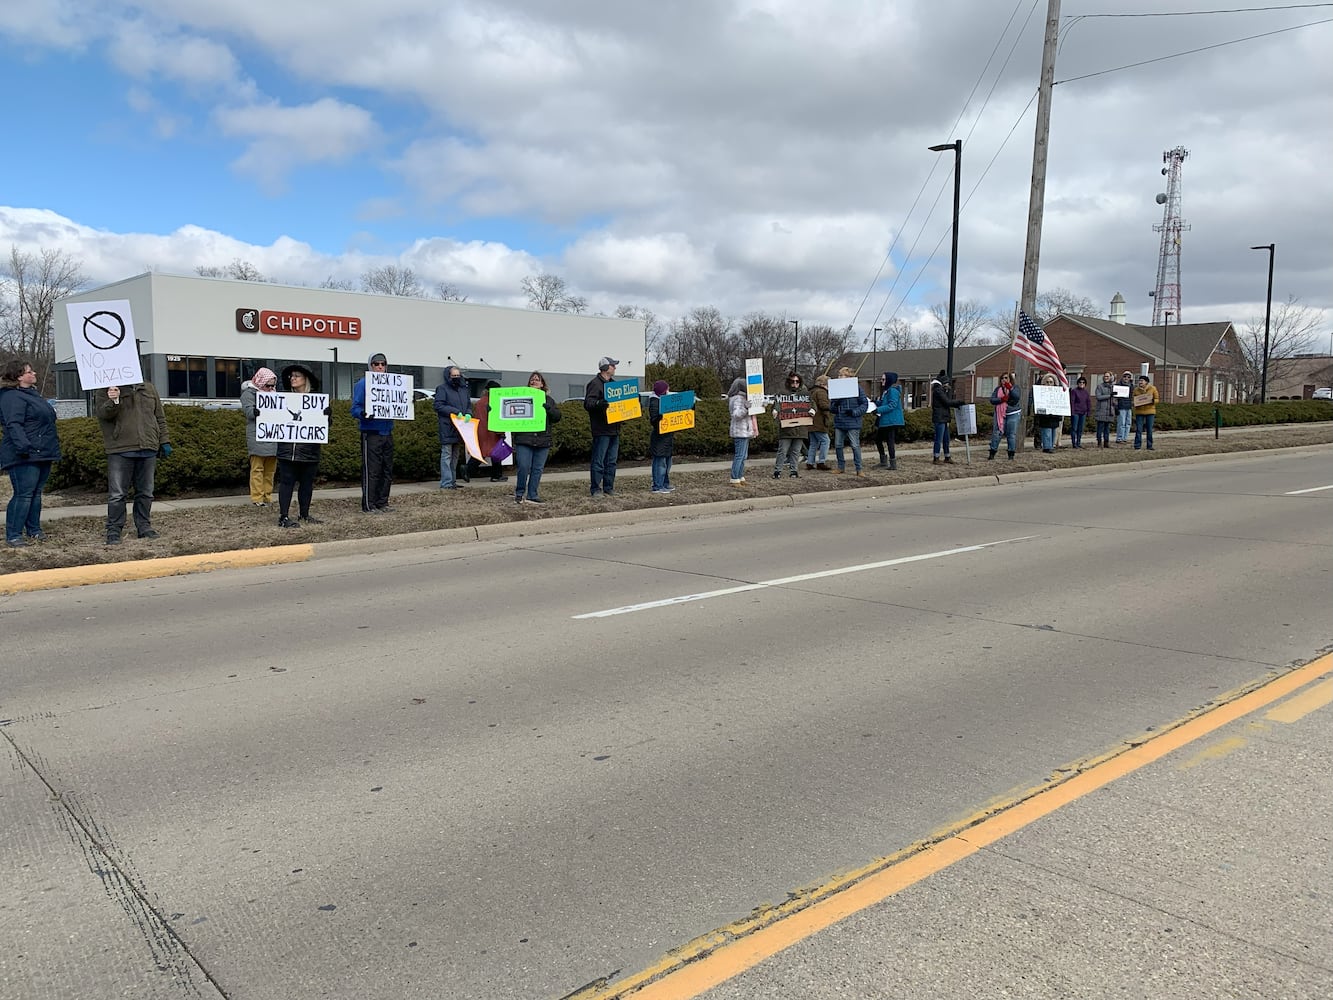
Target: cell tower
[[1166, 299]]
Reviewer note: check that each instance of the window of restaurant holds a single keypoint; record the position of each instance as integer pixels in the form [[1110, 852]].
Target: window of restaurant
[[227, 378], [187, 376]]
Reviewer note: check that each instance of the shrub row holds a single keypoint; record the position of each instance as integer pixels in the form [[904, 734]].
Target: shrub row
[[210, 451]]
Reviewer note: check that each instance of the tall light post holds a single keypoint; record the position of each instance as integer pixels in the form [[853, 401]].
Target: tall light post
[[1166, 378], [796, 342], [874, 349], [957, 147], [1268, 319], [335, 371]]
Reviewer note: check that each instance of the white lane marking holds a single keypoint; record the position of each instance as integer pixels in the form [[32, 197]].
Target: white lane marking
[[1315, 489], [705, 595]]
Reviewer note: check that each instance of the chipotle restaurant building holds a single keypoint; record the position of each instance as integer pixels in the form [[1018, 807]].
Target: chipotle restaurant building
[[200, 338]]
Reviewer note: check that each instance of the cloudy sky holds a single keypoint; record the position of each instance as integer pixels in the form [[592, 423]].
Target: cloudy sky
[[746, 154]]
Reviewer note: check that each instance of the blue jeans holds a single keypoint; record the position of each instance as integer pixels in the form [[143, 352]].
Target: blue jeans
[[1047, 438], [1076, 424], [122, 474], [1142, 422], [1103, 432], [1124, 419], [529, 461], [449, 455], [789, 452], [1008, 430], [661, 472], [24, 512], [816, 449], [850, 436], [602, 469], [740, 453], [941, 439]]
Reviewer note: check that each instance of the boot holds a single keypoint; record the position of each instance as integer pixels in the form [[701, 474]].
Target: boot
[[808, 467], [1011, 456], [991, 456], [824, 466], [893, 465]]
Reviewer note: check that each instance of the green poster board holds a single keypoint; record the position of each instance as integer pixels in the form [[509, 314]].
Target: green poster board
[[516, 408]]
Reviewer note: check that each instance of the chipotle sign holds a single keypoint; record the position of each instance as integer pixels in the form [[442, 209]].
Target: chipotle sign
[[294, 324]]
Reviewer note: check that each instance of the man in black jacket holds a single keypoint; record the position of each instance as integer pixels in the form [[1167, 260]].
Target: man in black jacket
[[941, 402], [605, 436]]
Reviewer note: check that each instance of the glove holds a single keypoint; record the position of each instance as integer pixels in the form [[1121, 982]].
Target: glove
[[165, 451]]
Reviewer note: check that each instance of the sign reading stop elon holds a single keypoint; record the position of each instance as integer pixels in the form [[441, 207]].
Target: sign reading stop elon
[[295, 324]]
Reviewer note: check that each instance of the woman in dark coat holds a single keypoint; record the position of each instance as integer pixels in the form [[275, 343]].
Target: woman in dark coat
[[298, 461], [27, 451], [532, 447]]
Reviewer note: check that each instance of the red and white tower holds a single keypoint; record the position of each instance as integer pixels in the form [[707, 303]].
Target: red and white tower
[[1166, 299]]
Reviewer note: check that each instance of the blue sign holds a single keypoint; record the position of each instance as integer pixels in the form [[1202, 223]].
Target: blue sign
[[674, 401]]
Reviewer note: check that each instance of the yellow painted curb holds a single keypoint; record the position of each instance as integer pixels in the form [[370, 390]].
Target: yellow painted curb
[[150, 569]]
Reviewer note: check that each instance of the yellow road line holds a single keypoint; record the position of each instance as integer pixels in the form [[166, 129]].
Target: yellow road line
[[1302, 704], [715, 958], [151, 569]]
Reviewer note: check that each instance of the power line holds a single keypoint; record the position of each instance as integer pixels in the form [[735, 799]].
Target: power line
[[1192, 13], [1190, 52]]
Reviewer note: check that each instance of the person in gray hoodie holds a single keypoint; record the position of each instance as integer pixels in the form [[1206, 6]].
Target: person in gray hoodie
[[1104, 409]]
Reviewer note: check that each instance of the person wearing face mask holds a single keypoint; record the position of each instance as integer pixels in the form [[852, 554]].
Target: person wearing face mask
[[1124, 408], [451, 399], [888, 418], [1104, 414], [376, 446]]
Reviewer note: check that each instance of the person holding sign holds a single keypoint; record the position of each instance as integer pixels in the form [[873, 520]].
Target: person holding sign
[[263, 454], [847, 414], [27, 450], [888, 418], [1145, 410], [532, 447], [605, 435], [1008, 403], [816, 453], [742, 427], [376, 446], [451, 400], [1048, 423], [1124, 407], [794, 413], [298, 461], [1104, 412], [941, 402], [134, 433], [660, 446]]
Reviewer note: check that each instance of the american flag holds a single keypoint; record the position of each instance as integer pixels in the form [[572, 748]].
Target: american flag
[[1033, 344]]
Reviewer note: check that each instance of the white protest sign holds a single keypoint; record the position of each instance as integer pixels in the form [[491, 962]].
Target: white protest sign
[[292, 417], [1050, 400], [105, 350], [843, 388], [389, 396], [966, 419], [1122, 391]]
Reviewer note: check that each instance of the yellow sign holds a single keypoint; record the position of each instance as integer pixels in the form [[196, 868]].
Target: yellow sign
[[681, 420], [623, 409]]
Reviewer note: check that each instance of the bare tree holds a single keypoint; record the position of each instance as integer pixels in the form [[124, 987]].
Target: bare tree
[[763, 335], [896, 335], [822, 345], [653, 331], [550, 293], [704, 338], [338, 284], [392, 280], [1293, 331], [1056, 302], [450, 292], [32, 284], [972, 321], [237, 270]]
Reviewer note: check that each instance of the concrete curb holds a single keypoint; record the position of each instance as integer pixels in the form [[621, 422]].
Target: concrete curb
[[81, 576]]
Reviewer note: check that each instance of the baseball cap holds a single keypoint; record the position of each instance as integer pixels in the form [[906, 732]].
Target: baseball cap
[[606, 362]]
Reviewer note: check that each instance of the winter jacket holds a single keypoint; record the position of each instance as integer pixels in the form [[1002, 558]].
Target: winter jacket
[[451, 400], [738, 407], [798, 433], [538, 439], [1079, 401], [1105, 396], [298, 451], [369, 425], [941, 402], [847, 413], [1011, 399], [889, 412], [1125, 402], [1140, 390], [136, 423], [266, 449], [594, 401], [823, 412], [659, 445], [29, 427]]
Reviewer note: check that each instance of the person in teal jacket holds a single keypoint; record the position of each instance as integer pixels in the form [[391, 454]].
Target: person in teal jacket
[[888, 418]]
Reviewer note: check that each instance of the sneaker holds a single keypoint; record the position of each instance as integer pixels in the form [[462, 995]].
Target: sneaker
[[668, 489], [948, 460], [659, 490], [795, 475], [535, 500], [809, 467], [311, 520], [372, 510], [387, 509], [113, 539], [287, 522], [738, 483], [608, 493], [258, 503], [777, 473], [150, 534], [17, 543], [37, 536], [518, 500], [595, 494]]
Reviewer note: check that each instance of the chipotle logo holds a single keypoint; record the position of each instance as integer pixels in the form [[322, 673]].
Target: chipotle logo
[[294, 324]]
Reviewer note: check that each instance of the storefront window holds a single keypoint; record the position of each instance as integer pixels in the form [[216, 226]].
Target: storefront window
[[227, 378], [187, 376]]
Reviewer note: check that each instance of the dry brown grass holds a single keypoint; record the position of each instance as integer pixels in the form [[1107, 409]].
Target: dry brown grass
[[78, 541]]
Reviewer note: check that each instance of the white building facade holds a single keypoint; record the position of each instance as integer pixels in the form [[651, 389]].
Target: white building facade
[[200, 338]]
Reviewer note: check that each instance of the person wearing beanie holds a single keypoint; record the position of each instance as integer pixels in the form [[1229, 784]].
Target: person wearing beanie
[[847, 417], [1144, 401], [790, 439], [1124, 407], [816, 454], [298, 461], [605, 436], [941, 402], [888, 418], [1104, 409], [376, 446], [661, 446], [263, 454]]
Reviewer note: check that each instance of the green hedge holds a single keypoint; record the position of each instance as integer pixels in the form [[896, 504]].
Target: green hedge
[[210, 451]]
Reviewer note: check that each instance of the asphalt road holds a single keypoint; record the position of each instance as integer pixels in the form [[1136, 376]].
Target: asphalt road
[[438, 772]]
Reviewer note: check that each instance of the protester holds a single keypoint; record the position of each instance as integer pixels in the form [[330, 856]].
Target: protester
[[605, 436], [847, 415], [29, 448], [790, 439], [488, 441], [1048, 423], [742, 427], [532, 447], [1008, 403], [816, 453], [1124, 408], [298, 461], [941, 402], [1080, 405], [1145, 411], [376, 446], [888, 418], [451, 400], [134, 433], [1105, 409], [660, 446], [263, 454]]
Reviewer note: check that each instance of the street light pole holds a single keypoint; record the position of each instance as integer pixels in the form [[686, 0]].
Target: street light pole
[[335, 371], [796, 343], [957, 147], [874, 348], [1268, 319], [1166, 321]]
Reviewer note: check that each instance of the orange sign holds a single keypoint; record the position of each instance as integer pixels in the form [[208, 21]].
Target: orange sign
[[293, 324]]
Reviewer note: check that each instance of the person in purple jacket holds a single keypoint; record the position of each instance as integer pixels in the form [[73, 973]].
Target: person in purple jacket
[[1080, 405]]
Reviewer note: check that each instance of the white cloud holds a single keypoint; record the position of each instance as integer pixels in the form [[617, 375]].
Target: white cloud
[[283, 137]]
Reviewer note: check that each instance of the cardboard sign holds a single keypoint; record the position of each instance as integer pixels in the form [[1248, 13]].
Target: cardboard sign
[[843, 388], [292, 417], [965, 417], [622, 400], [105, 350], [389, 396], [467, 428], [796, 410], [677, 409], [517, 408], [1050, 400], [1143, 399]]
